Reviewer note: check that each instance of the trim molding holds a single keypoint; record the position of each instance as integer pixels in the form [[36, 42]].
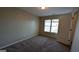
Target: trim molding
[[63, 44], [22, 39]]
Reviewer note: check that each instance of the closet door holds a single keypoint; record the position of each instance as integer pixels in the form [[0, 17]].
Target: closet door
[[75, 43], [64, 28], [73, 26]]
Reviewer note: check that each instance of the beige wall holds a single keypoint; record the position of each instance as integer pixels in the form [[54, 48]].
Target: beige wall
[[64, 27], [16, 24]]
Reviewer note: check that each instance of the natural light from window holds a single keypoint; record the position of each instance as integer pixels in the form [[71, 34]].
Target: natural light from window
[[51, 25], [47, 25]]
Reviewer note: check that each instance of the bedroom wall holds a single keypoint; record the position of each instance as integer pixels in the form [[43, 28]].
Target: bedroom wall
[[15, 25]]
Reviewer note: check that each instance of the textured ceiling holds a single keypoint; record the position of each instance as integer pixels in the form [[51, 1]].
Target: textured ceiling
[[48, 11]]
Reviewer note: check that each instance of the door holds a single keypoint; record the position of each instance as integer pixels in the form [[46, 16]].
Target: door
[[64, 28]]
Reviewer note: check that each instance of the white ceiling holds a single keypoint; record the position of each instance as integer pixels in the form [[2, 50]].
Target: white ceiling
[[48, 11]]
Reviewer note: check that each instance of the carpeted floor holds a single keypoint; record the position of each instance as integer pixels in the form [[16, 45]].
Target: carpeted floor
[[38, 44]]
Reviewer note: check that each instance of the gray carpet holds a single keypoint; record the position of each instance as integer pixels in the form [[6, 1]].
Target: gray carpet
[[38, 44]]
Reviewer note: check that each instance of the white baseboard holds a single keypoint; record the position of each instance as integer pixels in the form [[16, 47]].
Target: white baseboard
[[3, 51], [21, 39]]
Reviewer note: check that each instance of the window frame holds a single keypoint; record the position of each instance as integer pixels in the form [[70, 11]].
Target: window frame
[[51, 26]]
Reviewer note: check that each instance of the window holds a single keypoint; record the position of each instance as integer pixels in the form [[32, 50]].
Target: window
[[47, 25], [51, 25]]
